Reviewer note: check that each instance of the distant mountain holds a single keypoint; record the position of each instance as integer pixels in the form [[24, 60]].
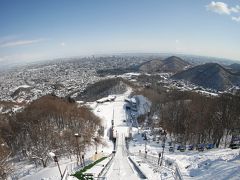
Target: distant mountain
[[210, 75], [235, 67], [172, 64]]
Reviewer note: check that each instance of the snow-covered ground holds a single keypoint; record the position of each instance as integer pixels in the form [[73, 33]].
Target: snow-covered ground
[[96, 170], [151, 170], [121, 167], [26, 171], [210, 164], [108, 111]]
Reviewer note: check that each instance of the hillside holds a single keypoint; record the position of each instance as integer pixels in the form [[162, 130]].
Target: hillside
[[209, 75], [102, 89], [172, 64], [235, 67]]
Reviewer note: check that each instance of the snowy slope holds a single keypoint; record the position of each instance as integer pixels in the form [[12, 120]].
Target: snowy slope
[[108, 111], [210, 164]]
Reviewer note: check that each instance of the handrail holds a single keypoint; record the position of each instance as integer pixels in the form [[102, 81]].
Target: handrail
[[106, 168], [140, 173], [178, 172], [174, 166], [108, 165], [72, 168]]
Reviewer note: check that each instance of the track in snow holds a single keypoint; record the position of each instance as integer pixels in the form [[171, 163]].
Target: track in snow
[[121, 169]]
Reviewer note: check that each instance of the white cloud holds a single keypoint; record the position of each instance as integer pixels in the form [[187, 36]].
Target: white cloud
[[62, 44], [219, 7], [237, 19], [235, 10], [13, 43], [223, 8]]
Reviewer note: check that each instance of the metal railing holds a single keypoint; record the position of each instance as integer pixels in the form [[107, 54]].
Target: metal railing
[[70, 169], [106, 168], [74, 167], [104, 171], [178, 174], [137, 169], [167, 163]]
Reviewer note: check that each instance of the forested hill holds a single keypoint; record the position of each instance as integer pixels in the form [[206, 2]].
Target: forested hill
[[210, 75]]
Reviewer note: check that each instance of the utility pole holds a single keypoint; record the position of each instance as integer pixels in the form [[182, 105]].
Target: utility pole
[[159, 156], [113, 118], [76, 135], [163, 146], [96, 146], [80, 139], [56, 160], [83, 160], [145, 138]]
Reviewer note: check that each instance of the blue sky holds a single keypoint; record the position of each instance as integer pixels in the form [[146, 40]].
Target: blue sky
[[42, 29]]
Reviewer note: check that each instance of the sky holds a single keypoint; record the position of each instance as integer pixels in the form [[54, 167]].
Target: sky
[[42, 29]]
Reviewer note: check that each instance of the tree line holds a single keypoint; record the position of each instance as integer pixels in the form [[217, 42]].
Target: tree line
[[190, 117], [102, 89], [47, 125]]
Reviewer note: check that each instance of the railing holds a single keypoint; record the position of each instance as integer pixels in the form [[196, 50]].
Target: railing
[[140, 173], [73, 167], [175, 167], [70, 169], [104, 171], [106, 168], [167, 163], [178, 174], [65, 174]]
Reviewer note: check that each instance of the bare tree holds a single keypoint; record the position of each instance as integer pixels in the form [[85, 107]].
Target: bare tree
[[5, 168]]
